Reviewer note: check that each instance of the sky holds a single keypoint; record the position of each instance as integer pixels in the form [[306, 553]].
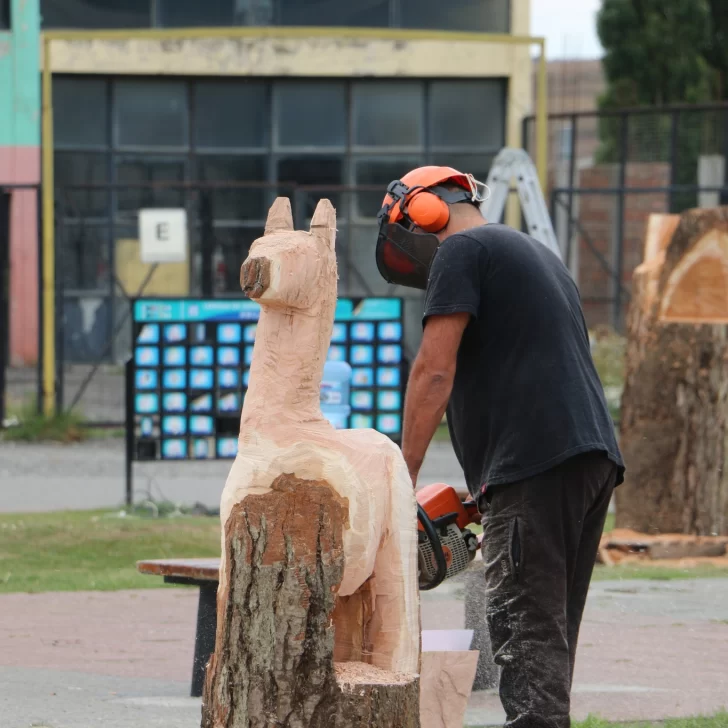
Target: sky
[[569, 27]]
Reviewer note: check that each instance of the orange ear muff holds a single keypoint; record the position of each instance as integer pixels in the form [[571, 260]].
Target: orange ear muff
[[428, 211]]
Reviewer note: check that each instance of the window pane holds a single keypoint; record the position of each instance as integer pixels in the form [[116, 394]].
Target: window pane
[[79, 112], [352, 13], [389, 114], [84, 259], [231, 114], [476, 164], [318, 171], [311, 114], [95, 13], [4, 14], [480, 113], [379, 172], [151, 113], [139, 176], [484, 16], [194, 13], [78, 168], [241, 203]]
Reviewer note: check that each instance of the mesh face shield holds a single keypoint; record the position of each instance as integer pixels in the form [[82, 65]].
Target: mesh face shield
[[404, 257]]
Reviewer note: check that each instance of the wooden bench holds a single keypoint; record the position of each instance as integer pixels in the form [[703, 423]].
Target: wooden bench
[[205, 574]]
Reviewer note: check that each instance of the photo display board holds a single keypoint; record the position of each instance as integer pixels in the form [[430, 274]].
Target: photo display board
[[190, 370]]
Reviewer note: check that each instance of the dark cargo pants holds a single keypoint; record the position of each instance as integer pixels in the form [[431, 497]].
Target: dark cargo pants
[[540, 543]]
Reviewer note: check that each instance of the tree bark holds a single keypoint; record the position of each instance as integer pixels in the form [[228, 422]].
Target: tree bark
[[273, 664], [674, 420]]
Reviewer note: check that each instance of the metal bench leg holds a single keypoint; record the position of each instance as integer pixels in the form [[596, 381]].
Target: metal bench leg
[[205, 635]]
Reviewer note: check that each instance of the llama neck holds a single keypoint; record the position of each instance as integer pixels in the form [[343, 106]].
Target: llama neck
[[287, 368]]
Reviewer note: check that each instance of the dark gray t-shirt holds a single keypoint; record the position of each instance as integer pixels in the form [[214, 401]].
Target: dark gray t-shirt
[[526, 395]]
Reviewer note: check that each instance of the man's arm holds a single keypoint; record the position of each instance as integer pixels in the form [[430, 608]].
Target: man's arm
[[429, 386]]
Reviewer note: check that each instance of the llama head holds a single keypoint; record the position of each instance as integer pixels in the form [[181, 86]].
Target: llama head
[[292, 268]]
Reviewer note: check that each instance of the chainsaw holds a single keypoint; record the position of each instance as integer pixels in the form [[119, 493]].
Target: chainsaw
[[445, 544]]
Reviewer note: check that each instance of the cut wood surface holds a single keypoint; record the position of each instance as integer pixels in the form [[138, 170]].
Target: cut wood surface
[[619, 543], [445, 685], [319, 543], [674, 415]]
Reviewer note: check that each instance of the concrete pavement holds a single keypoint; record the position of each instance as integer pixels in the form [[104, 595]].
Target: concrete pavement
[[88, 475], [648, 650]]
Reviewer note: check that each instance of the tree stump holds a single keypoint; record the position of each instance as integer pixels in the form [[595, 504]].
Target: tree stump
[[674, 419], [284, 564]]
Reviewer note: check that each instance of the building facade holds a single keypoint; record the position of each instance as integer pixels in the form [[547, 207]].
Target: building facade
[[20, 118], [220, 106]]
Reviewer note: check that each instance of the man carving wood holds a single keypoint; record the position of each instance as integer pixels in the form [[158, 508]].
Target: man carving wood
[[319, 525]]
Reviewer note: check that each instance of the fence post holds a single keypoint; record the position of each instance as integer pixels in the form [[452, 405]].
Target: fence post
[[619, 252], [674, 118], [4, 295], [41, 310], [207, 242], [570, 204]]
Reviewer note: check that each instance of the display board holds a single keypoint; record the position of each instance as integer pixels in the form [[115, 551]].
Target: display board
[[190, 368]]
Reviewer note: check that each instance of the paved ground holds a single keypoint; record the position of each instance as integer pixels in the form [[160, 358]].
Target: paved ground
[[91, 475], [122, 660]]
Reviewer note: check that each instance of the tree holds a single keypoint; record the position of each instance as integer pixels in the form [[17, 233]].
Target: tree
[[660, 52]]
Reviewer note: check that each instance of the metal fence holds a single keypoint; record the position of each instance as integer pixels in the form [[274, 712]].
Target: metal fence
[[609, 170], [98, 270]]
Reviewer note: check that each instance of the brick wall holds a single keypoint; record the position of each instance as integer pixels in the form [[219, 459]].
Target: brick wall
[[598, 221]]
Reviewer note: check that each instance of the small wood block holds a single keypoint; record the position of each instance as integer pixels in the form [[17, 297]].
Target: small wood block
[[446, 681]]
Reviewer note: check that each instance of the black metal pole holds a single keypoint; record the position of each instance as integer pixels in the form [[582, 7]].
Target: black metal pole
[[4, 295], [129, 430], [207, 242], [675, 121], [570, 204], [619, 252]]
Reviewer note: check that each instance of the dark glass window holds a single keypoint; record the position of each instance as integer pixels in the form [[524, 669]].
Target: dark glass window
[[476, 164], [467, 113], [379, 172], [389, 114], [194, 13], [484, 16], [4, 14], [79, 168], [151, 113], [318, 171], [80, 112], [140, 175], [311, 114], [95, 13], [241, 203], [84, 261], [231, 114], [351, 13]]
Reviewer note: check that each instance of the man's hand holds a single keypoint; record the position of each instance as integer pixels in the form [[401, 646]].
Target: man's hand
[[429, 386]]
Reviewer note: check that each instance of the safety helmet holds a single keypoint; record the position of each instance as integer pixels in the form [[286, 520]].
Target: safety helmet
[[419, 200]]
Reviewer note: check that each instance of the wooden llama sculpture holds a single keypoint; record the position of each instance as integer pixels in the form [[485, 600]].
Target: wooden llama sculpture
[[318, 605]]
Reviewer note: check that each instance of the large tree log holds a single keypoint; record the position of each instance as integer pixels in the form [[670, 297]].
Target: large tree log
[[674, 420], [285, 561]]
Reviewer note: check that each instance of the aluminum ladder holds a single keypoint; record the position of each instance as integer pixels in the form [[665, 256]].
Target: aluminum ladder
[[510, 163]]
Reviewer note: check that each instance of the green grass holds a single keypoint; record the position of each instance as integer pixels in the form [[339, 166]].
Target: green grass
[[720, 720], [35, 427], [95, 550]]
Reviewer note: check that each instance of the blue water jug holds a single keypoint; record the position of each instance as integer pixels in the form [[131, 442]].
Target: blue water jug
[[335, 389]]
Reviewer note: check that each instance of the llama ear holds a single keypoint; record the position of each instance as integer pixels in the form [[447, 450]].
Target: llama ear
[[280, 217], [323, 222]]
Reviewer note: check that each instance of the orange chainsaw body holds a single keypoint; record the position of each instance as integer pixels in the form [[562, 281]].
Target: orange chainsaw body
[[440, 499]]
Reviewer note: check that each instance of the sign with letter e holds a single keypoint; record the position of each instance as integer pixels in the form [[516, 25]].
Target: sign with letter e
[[163, 235]]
